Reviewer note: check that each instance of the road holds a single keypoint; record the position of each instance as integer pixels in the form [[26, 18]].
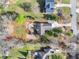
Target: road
[[74, 16]]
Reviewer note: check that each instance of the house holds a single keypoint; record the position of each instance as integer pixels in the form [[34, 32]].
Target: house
[[41, 27]]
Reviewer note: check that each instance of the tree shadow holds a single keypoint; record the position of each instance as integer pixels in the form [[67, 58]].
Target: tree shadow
[[41, 5], [24, 53]]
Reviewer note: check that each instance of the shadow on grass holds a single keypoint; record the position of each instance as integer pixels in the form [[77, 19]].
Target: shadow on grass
[[24, 53]]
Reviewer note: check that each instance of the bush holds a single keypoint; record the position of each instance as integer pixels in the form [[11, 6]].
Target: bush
[[44, 39], [51, 17], [50, 33], [56, 56], [54, 32], [57, 30], [30, 17]]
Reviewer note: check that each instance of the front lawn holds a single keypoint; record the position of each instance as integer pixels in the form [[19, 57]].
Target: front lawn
[[66, 10], [66, 1]]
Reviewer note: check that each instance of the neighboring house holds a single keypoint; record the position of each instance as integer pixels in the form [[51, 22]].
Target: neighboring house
[[41, 27], [49, 6]]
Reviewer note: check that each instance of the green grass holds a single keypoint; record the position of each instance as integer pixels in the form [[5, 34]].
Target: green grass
[[20, 19], [0, 57], [19, 1], [29, 46], [35, 16], [66, 10], [66, 1]]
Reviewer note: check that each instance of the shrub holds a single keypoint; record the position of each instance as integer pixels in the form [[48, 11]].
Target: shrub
[[54, 32], [26, 6], [50, 33], [51, 17], [44, 39], [57, 30]]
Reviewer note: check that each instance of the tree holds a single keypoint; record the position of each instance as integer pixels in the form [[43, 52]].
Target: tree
[[26, 6], [54, 32], [44, 39], [41, 5], [57, 30]]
